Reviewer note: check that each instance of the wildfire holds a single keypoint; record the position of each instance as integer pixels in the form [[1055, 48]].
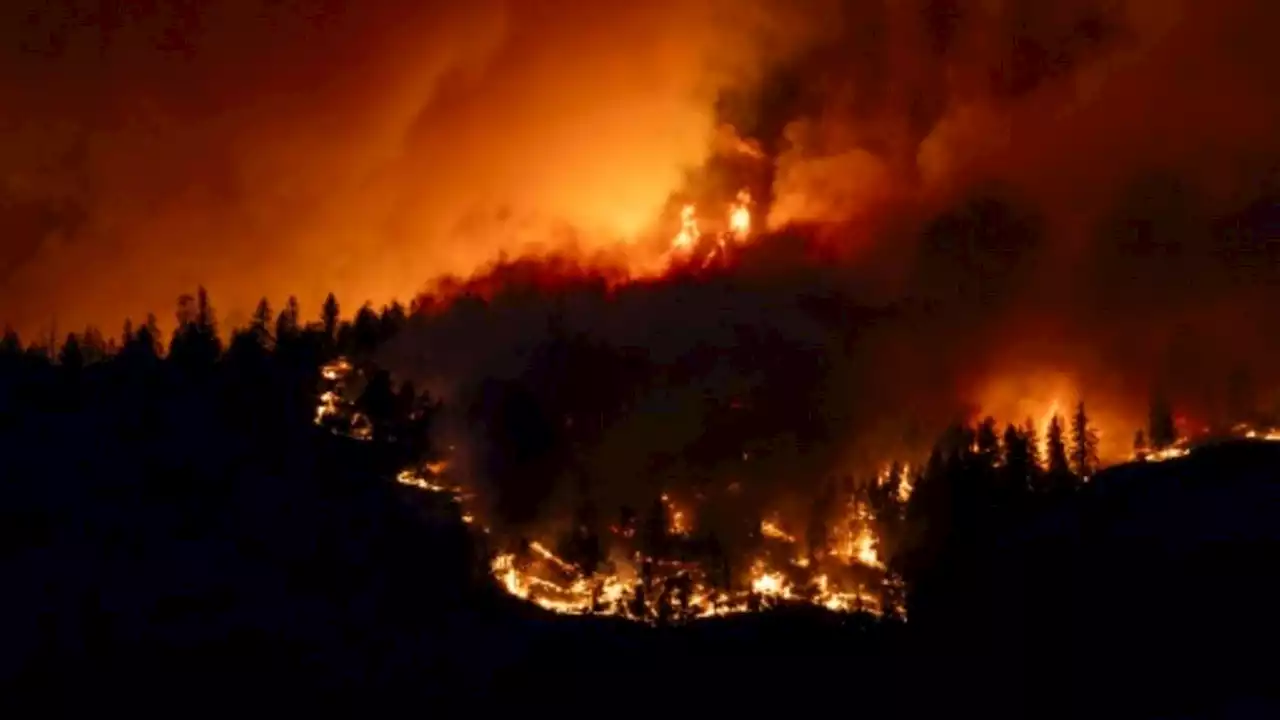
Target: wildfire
[[334, 410], [771, 529], [740, 216], [689, 231], [659, 590], [738, 229], [682, 593], [1183, 447], [1269, 434], [845, 572]]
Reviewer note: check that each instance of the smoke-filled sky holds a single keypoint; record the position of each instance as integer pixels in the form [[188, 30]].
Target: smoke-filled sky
[[269, 147]]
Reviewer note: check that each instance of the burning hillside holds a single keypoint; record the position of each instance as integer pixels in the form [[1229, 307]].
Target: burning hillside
[[755, 491]]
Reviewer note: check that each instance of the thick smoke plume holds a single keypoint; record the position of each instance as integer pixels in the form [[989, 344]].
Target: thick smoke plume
[[263, 147], [974, 206], [1044, 202]]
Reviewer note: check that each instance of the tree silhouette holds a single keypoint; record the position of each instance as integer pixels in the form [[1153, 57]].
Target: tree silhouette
[[10, 343], [367, 330], [287, 323], [391, 321], [378, 403], [94, 347], [329, 316], [261, 324], [1084, 444], [987, 442], [195, 345], [1057, 466], [71, 357], [1032, 435], [1018, 460]]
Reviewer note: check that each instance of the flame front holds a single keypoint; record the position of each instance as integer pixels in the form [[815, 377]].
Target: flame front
[[843, 569]]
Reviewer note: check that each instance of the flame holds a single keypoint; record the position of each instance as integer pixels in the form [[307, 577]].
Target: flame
[[771, 529], [1183, 447], [738, 230], [834, 575], [689, 232], [740, 216]]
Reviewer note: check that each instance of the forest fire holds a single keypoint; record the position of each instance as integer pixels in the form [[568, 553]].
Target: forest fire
[[692, 239], [845, 575], [665, 572], [663, 566]]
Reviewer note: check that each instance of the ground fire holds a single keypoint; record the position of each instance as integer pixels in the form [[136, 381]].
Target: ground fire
[[836, 551], [660, 569]]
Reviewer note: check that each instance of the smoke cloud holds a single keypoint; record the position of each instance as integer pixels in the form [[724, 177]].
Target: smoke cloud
[[300, 147], [1045, 200]]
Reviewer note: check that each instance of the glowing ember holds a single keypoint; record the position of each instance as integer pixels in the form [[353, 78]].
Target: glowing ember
[[773, 530]]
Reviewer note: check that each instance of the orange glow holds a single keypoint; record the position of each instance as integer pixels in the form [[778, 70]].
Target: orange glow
[[1039, 396], [740, 216]]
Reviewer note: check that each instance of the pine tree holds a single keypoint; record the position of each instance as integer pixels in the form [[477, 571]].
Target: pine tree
[[195, 342], [71, 357], [392, 320], [367, 330], [1017, 459], [1057, 466], [987, 442], [1031, 435], [10, 344], [329, 316], [287, 328], [261, 323], [93, 345], [1084, 444]]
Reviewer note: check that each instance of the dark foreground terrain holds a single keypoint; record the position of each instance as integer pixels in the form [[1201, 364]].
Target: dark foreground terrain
[[200, 570]]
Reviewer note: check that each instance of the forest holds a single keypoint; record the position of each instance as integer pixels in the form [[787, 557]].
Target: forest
[[175, 515]]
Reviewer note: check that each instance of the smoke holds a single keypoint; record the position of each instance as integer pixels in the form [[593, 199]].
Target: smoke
[[1048, 202], [1045, 200], [1089, 187], [300, 147]]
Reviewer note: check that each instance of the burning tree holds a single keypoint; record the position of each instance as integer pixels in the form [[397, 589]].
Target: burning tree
[[1058, 466]]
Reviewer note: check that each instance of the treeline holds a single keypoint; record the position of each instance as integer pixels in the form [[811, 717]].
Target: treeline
[[172, 514], [273, 362]]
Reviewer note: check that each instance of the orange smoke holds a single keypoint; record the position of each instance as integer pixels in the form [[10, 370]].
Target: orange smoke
[[265, 148]]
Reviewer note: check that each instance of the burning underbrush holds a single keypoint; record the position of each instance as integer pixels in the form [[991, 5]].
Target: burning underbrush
[[662, 570], [660, 566], [750, 401], [663, 566]]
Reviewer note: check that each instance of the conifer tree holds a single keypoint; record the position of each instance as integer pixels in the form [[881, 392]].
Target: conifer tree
[[1084, 444], [1057, 465]]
